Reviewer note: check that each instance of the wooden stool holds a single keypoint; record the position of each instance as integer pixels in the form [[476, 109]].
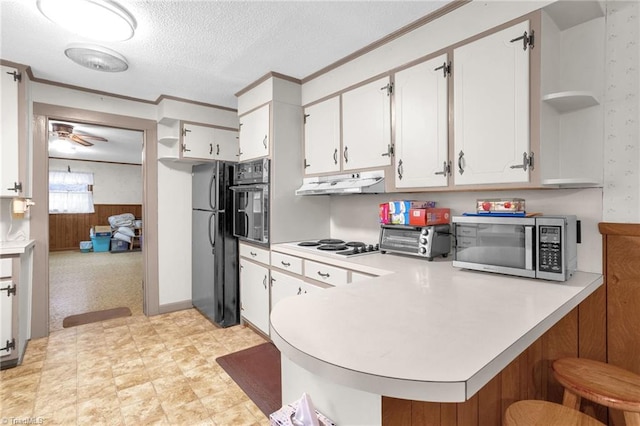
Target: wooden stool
[[544, 413], [601, 383]]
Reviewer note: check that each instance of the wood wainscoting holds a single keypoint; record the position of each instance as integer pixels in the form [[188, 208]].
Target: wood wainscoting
[[605, 327], [67, 230]]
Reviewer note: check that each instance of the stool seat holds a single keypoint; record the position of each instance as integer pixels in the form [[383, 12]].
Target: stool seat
[[544, 413]]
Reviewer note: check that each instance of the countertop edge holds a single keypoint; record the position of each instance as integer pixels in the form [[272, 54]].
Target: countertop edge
[[431, 391], [12, 248]]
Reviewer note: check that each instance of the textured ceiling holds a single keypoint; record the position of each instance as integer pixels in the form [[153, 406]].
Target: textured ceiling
[[207, 50]]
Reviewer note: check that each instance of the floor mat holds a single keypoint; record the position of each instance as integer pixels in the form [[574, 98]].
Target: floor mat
[[257, 371], [96, 316]]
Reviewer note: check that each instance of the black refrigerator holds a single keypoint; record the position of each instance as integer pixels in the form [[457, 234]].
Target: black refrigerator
[[214, 274]]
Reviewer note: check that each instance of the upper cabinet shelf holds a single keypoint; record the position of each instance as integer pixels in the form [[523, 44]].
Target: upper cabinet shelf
[[566, 15], [571, 100]]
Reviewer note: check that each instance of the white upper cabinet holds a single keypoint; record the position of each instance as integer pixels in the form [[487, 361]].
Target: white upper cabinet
[[491, 108], [225, 145], [366, 125], [254, 134], [197, 141], [421, 124], [9, 145], [322, 137]]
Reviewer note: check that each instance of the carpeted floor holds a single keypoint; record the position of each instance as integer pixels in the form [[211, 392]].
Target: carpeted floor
[[85, 282]]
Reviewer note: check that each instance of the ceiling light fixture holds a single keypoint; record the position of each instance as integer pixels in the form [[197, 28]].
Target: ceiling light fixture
[[97, 58], [96, 19]]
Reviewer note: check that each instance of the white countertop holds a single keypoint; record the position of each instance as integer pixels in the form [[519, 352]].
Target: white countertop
[[14, 248], [423, 330]]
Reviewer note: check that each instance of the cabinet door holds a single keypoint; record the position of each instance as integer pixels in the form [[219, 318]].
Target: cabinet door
[[491, 108], [322, 137], [254, 294], [6, 317], [254, 134], [283, 285], [421, 120], [9, 162], [197, 141], [225, 145], [366, 126]]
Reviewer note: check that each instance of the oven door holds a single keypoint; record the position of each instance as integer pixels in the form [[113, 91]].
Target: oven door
[[251, 212], [495, 245]]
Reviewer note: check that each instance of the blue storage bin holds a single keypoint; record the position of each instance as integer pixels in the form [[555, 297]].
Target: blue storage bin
[[100, 243]]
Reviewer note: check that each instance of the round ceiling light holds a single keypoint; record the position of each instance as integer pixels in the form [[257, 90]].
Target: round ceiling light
[[97, 58], [96, 19]]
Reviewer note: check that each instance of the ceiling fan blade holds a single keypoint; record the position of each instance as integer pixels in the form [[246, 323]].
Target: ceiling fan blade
[[78, 139], [98, 138]]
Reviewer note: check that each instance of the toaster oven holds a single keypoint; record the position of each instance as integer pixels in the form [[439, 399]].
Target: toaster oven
[[422, 241]]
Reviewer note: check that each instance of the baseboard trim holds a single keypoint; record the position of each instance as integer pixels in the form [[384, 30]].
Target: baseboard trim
[[174, 307]]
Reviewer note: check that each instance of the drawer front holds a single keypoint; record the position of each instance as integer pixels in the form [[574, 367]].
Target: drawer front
[[325, 273], [254, 253], [285, 262]]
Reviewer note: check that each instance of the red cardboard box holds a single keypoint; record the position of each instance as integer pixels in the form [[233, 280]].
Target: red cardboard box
[[384, 213], [428, 217]]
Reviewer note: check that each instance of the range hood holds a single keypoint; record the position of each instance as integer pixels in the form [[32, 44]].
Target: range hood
[[352, 183]]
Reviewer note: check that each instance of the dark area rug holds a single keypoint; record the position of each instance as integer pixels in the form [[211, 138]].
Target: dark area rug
[[96, 316], [257, 371]]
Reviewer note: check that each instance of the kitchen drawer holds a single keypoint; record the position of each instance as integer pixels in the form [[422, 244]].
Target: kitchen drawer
[[254, 253], [288, 263], [325, 273]]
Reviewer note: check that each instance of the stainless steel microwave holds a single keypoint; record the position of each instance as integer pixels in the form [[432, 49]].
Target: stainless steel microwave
[[536, 247]]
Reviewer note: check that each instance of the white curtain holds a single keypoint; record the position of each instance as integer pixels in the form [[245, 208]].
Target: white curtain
[[69, 192]]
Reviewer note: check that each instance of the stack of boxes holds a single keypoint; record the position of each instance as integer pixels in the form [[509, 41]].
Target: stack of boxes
[[413, 213]]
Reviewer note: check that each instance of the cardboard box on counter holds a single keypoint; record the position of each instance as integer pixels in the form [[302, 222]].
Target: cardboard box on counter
[[400, 219], [384, 214], [102, 230], [396, 207], [428, 217]]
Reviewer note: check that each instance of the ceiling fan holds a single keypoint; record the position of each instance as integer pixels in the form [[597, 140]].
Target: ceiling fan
[[65, 131]]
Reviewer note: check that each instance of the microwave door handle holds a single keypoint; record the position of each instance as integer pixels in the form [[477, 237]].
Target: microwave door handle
[[528, 248]]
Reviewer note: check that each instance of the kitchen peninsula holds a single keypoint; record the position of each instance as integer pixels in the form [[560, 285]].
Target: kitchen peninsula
[[421, 331]]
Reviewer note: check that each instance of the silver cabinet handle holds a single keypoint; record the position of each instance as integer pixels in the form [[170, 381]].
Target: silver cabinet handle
[[17, 186], [184, 148], [299, 291], [253, 254], [400, 169], [210, 148], [285, 264], [527, 162], [323, 275], [335, 156], [264, 141], [446, 169], [346, 157], [217, 149], [460, 156], [389, 151], [264, 282], [273, 280]]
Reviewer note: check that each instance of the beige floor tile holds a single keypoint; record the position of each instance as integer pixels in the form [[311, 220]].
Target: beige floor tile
[[144, 412], [131, 379], [132, 365], [137, 394], [102, 410], [189, 413], [238, 415], [220, 402], [174, 396], [106, 389], [63, 416]]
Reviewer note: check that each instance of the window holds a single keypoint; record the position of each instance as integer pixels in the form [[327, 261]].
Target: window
[[70, 192]]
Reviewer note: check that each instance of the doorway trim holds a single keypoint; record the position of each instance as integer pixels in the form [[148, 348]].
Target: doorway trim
[[39, 222]]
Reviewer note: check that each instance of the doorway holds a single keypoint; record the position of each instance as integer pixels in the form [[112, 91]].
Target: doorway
[[39, 223], [95, 180]]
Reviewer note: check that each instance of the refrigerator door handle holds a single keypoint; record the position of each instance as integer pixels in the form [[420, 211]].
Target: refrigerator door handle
[[246, 225], [213, 190], [212, 218]]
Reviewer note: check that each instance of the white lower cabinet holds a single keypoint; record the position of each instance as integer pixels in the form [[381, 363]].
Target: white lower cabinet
[[254, 294], [283, 286], [324, 273]]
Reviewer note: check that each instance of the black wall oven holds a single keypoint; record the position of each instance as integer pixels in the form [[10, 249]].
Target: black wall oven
[[251, 201]]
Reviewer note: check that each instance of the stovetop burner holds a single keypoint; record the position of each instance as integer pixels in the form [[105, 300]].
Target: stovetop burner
[[333, 247], [355, 244], [309, 244], [330, 241]]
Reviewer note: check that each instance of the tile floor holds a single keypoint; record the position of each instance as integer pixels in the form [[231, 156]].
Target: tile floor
[[131, 371]]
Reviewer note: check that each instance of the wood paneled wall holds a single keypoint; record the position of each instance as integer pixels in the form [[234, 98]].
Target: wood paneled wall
[[605, 327], [67, 230]]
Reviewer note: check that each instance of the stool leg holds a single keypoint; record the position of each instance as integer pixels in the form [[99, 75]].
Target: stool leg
[[631, 418], [572, 400]]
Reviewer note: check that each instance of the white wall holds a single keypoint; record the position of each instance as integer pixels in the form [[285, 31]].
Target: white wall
[[622, 114], [113, 183]]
